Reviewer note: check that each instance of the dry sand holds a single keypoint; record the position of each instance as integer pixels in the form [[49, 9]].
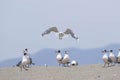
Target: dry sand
[[88, 72]]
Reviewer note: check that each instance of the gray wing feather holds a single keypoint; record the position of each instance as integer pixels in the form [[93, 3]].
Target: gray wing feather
[[52, 29], [69, 31]]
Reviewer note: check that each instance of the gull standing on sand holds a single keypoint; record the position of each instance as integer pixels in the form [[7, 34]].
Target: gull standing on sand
[[60, 34], [20, 63], [105, 58], [112, 57], [26, 60], [59, 57], [118, 57], [66, 59], [29, 58]]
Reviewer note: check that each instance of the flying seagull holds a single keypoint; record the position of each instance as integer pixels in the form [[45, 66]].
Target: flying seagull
[[60, 34]]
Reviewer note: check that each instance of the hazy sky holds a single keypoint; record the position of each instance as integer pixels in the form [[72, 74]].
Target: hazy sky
[[96, 22]]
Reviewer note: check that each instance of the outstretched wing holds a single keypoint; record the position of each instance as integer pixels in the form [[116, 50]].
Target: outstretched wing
[[52, 29], [69, 31]]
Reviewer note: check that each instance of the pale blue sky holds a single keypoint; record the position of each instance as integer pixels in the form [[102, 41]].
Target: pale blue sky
[[96, 22]]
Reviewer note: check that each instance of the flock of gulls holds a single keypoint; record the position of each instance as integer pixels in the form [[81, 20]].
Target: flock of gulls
[[26, 61], [65, 60], [62, 60], [109, 58]]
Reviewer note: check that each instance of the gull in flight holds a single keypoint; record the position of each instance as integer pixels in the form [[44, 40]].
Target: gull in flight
[[60, 34]]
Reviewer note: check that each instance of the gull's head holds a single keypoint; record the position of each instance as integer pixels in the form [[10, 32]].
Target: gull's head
[[111, 50], [58, 52], [66, 52], [104, 51], [61, 35]]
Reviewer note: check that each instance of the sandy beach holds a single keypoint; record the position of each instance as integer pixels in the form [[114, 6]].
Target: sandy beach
[[87, 72]]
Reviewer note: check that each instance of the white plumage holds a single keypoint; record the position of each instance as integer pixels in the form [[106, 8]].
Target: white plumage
[[23, 64], [105, 58], [112, 56], [60, 34], [74, 63], [26, 60], [59, 57], [66, 58], [118, 57]]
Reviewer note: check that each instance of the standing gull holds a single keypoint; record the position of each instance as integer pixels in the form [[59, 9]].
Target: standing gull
[[105, 58], [59, 57], [112, 57], [118, 57], [26, 60], [23, 64], [60, 34], [66, 59]]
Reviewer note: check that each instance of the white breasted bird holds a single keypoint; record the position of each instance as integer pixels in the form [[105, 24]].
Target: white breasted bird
[[105, 58], [66, 59], [60, 34], [118, 57], [26, 60], [112, 56], [59, 57]]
